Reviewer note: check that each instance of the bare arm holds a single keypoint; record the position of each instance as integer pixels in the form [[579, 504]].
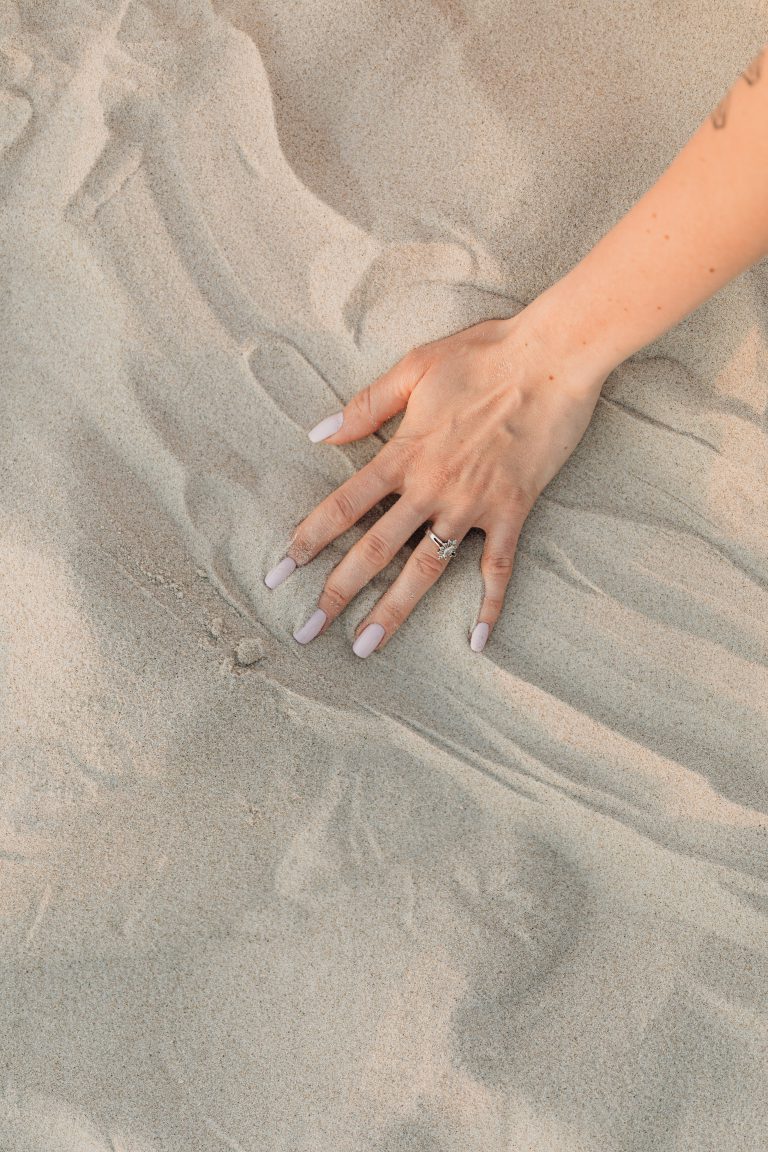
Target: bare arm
[[703, 222]]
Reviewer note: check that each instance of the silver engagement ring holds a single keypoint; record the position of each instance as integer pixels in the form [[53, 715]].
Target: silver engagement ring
[[445, 548]]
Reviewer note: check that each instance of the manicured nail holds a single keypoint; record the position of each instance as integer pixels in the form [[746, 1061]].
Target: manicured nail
[[326, 427], [367, 640], [309, 630], [479, 636], [280, 572]]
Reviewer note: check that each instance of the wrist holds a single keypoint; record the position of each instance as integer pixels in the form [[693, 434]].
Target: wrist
[[568, 333]]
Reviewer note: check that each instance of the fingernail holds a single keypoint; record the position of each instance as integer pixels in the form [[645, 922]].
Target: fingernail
[[280, 572], [326, 427], [309, 630], [367, 640], [479, 636]]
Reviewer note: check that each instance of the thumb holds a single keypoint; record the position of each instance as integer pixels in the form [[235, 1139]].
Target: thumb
[[373, 405]]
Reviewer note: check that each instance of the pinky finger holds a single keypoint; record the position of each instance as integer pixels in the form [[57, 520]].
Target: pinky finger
[[496, 564]]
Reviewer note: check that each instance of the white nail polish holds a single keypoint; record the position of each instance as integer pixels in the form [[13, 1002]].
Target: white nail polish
[[309, 630], [479, 636], [280, 572], [326, 427], [368, 640]]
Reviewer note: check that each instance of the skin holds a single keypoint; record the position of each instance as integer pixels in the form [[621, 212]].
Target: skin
[[491, 413]]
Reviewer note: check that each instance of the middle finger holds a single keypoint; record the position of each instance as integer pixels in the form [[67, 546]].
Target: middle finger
[[334, 515], [365, 559]]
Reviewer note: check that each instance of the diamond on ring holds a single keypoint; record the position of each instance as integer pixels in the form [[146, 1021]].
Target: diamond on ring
[[445, 548]]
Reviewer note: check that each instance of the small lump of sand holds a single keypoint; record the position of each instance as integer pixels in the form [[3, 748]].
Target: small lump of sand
[[249, 652]]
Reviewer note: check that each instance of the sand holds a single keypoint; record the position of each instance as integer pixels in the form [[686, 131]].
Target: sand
[[266, 898]]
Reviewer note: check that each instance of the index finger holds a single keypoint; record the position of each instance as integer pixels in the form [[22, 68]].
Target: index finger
[[334, 515]]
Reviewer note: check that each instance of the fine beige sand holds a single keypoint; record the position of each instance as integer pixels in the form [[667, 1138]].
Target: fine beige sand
[[264, 898]]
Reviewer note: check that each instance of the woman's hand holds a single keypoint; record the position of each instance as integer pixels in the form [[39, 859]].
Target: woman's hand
[[491, 414]]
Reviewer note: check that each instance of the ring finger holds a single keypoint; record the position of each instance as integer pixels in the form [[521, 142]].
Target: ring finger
[[423, 568]]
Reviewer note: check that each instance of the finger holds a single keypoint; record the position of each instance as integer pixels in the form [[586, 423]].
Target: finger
[[423, 568], [373, 405], [496, 564], [334, 515], [369, 555]]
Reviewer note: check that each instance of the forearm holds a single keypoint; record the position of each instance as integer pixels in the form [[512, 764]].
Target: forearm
[[703, 222]]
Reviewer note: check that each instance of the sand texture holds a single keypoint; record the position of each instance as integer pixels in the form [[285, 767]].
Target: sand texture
[[264, 898]]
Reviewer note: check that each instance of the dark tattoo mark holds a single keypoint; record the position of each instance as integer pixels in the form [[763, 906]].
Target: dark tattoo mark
[[751, 74]]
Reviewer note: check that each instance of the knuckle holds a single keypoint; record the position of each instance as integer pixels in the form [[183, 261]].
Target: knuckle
[[514, 395], [422, 503], [362, 404], [390, 614], [416, 499], [342, 510], [375, 549], [498, 565], [335, 597], [492, 604], [442, 476], [368, 407], [428, 565]]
